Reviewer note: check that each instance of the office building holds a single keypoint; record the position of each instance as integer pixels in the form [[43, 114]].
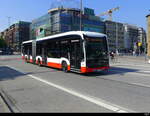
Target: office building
[[16, 34], [148, 36], [131, 36], [115, 34], [61, 19], [142, 39]]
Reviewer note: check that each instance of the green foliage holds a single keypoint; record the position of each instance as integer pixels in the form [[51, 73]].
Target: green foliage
[[2, 43]]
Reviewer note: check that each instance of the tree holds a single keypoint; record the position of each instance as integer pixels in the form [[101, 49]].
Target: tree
[[2, 43]]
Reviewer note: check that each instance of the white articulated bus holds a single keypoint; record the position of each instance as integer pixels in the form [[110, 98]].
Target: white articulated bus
[[76, 51]]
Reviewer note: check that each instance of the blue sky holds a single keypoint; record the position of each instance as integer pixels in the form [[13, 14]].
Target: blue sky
[[131, 11]]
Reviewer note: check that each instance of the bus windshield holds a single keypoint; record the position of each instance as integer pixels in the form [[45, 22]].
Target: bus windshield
[[96, 48]]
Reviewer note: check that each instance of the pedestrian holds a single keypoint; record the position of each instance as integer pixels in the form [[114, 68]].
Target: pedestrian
[[112, 55], [133, 53]]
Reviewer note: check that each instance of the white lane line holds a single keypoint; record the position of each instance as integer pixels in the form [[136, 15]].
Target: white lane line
[[142, 85], [91, 99], [146, 71]]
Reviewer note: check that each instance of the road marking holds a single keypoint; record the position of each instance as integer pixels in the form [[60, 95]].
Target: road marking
[[146, 71], [91, 99], [132, 73]]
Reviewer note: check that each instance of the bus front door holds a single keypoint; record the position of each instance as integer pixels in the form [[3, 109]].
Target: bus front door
[[75, 54]]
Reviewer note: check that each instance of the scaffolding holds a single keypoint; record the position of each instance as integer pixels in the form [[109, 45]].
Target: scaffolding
[[61, 19]]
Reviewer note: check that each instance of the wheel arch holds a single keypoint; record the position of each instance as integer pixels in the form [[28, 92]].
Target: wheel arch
[[65, 60]]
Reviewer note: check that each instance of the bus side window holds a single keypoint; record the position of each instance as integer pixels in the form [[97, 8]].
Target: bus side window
[[49, 54], [38, 49], [30, 51], [65, 48], [53, 50], [25, 49], [23, 52]]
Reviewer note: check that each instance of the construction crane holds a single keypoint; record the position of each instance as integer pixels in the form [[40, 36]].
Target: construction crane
[[109, 13]]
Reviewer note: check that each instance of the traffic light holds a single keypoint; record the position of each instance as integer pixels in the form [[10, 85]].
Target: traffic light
[[139, 44]]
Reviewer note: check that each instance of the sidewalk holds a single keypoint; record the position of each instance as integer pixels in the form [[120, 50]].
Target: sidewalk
[[136, 69], [131, 60], [134, 57]]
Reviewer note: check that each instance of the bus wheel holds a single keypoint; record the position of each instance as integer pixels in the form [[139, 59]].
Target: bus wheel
[[65, 67], [26, 60], [39, 62], [105, 71]]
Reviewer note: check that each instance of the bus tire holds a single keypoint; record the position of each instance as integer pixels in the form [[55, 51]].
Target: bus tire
[[106, 71], [64, 67], [26, 60], [39, 62]]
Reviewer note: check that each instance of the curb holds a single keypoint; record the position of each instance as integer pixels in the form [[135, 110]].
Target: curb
[[11, 108], [5, 107]]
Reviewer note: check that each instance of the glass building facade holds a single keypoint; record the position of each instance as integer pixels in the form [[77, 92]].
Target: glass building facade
[[60, 20]]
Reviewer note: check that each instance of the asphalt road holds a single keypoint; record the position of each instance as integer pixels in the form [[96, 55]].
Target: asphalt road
[[30, 88]]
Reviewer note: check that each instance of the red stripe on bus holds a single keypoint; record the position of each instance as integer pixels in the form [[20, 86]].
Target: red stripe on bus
[[83, 69], [69, 68], [54, 65], [31, 60], [86, 70], [23, 57]]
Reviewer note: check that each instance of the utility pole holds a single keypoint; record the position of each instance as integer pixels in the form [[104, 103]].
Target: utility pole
[[81, 15], [116, 38]]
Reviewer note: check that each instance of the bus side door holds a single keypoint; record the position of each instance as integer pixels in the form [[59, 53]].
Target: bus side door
[[75, 59]]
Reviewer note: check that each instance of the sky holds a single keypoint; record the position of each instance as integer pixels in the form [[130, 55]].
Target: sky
[[131, 11]]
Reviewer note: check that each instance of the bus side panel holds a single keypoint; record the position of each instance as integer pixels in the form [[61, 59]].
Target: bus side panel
[[54, 65], [57, 63], [83, 69], [23, 57], [54, 62], [31, 59]]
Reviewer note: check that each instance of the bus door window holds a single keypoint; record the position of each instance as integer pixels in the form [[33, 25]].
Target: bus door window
[[29, 51], [43, 51], [75, 53], [38, 49]]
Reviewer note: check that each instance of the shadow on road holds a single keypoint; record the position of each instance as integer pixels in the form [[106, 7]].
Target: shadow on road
[[7, 73], [112, 71]]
